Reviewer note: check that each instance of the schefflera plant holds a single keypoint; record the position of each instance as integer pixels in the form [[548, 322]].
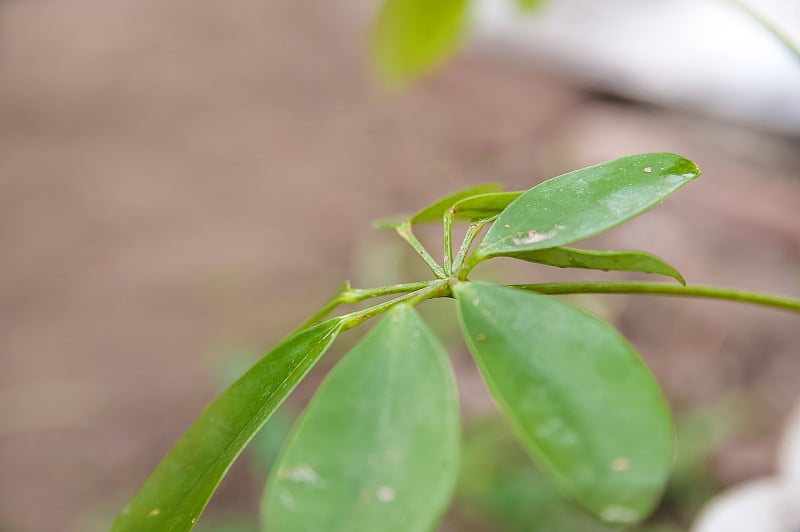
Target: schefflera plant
[[378, 446]]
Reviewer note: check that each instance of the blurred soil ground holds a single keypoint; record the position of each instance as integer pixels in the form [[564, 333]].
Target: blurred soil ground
[[180, 177]]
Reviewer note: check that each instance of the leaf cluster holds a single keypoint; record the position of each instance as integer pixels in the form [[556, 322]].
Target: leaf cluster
[[378, 446]]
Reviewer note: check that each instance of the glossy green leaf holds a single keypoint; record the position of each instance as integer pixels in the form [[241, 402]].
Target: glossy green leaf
[[581, 400], [378, 447], [412, 37], [175, 495], [586, 202], [484, 205], [634, 261]]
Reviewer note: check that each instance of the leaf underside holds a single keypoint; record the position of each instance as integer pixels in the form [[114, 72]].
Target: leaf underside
[[563, 257]]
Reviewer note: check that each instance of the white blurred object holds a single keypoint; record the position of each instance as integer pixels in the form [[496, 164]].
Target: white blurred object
[[764, 505], [705, 55]]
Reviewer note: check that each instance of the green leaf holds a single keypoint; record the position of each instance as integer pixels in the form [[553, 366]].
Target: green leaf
[[634, 261], [378, 446], [530, 5], [484, 205], [436, 210], [585, 202], [579, 397], [178, 490], [411, 37]]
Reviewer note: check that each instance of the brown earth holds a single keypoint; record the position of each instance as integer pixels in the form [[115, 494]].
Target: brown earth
[[182, 178]]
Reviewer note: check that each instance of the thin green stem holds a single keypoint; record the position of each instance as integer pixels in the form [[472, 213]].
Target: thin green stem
[[434, 289], [447, 222], [404, 230], [664, 289], [354, 295], [776, 32], [475, 228], [469, 263], [346, 294]]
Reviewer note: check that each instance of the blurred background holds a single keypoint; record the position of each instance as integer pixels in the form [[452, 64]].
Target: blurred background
[[183, 182]]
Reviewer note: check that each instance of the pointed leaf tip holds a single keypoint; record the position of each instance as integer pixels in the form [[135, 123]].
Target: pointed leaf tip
[[177, 492]]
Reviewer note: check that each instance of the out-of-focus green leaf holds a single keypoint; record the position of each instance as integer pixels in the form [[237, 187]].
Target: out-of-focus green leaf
[[175, 495], [634, 261], [436, 210], [530, 5], [484, 205], [585, 202], [579, 397], [377, 448], [411, 37]]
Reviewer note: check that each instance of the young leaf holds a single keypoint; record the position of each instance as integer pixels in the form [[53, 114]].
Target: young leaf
[[412, 37], [484, 205], [178, 490], [377, 448], [633, 261], [579, 397], [585, 202], [437, 209]]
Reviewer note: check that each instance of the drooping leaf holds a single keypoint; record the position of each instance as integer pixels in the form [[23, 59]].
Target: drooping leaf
[[484, 205], [437, 209], [176, 493], [412, 37], [586, 202], [581, 400], [377, 448], [633, 261]]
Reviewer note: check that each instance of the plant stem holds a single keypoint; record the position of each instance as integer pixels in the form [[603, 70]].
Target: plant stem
[[434, 289], [468, 264], [475, 228], [404, 230], [354, 295], [334, 301], [776, 32], [447, 223], [346, 294], [663, 289]]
